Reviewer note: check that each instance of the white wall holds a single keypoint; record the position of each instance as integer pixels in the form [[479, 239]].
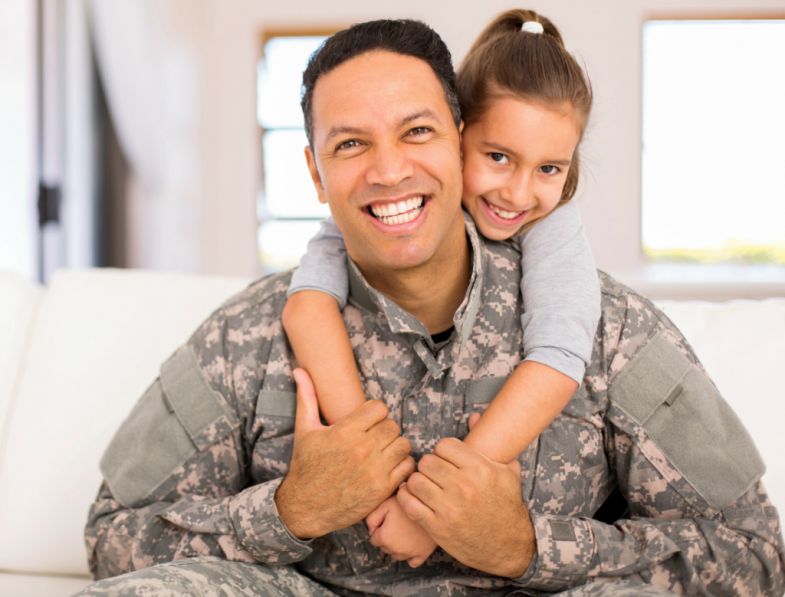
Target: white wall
[[605, 34]]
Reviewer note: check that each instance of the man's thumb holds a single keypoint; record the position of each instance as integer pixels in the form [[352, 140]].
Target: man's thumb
[[307, 416]]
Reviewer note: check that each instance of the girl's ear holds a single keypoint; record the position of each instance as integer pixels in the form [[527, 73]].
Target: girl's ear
[[315, 177]]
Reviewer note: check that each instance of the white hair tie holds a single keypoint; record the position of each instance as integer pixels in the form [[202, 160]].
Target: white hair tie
[[532, 27]]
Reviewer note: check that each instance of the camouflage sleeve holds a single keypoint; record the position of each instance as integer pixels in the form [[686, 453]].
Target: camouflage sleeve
[[737, 552], [177, 471], [700, 521]]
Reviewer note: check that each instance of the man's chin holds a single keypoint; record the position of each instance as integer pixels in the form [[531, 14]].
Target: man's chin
[[397, 256]]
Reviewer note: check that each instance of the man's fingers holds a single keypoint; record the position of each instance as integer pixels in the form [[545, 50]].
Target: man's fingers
[[436, 469], [415, 562], [368, 415], [397, 449], [414, 508], [457, 453], [402, 471], [385, 431], [473, 420], [515, 466], [307, 415]]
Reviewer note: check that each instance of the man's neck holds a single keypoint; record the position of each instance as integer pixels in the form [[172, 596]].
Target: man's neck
[[431, 292]]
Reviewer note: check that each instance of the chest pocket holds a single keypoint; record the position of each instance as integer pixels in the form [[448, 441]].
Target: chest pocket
[[687, 418], [179, 415], [482, 392], [276, 410]]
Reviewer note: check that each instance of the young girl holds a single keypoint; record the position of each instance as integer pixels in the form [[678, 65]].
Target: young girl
[[525, 103]]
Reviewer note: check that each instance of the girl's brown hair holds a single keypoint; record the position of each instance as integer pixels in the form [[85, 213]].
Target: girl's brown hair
[[534, 67]]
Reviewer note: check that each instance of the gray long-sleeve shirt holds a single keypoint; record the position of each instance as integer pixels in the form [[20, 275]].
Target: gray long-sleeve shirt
[[561, 294]]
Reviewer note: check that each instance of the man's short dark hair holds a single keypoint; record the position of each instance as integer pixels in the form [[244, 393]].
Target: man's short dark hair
[[405, 36]]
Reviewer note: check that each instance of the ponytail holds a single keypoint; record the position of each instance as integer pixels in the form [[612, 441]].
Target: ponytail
[[508, 59]]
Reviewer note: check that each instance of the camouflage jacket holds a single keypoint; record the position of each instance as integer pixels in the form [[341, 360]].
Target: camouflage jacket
[[194, 469]]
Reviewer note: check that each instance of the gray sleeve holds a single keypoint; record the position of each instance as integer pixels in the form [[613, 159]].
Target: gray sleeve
[[561, 293], [324, 267]]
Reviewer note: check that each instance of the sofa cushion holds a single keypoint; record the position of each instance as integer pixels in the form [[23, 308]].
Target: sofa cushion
[[98, 342], [19, 298], [28, 585]]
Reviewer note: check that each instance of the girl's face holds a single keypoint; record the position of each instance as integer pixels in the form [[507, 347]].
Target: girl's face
[[515, 163]]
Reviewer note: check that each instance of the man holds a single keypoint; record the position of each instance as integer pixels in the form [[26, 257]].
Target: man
[[213, 486]]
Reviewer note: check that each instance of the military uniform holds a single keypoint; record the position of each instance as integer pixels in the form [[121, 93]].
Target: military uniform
[[192, 472]]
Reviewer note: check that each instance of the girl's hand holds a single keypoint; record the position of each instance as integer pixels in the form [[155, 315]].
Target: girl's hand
[[398, 535]]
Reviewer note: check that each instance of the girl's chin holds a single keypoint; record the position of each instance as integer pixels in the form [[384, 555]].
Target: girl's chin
[[492, 231]]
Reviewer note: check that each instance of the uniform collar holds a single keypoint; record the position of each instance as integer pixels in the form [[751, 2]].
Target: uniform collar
[[402, 322]]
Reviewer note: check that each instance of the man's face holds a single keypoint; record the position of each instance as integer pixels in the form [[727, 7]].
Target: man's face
[[386, 158]]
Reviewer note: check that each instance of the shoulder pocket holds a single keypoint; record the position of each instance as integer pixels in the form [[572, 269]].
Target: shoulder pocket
[[179, 415], [685, 416]]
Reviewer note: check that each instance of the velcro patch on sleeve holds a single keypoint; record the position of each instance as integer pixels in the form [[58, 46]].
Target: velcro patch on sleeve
[[176, 417], [687, 418]]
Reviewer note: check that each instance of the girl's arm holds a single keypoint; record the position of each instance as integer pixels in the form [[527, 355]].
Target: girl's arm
[[561, 301], [312, 320], [533, 396]]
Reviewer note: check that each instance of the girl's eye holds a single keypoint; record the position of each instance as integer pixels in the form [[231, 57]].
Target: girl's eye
[[499, 158], [550, 169]]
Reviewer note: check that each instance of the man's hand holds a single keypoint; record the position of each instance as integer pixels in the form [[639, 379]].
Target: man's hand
[[339, 474], [398, 535], [472, 507]]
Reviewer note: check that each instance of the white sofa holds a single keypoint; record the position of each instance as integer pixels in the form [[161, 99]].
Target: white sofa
[[74, 357]]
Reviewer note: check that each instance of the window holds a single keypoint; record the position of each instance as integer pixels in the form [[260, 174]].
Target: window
[[289, 212], [713, 130]]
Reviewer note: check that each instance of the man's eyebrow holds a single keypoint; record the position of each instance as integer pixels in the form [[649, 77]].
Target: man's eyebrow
[[424, 114], [343, 130], [507, 150]]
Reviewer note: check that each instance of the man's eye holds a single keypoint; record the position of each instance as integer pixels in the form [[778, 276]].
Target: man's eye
[[499, 158], [550, 169], [348, 144]]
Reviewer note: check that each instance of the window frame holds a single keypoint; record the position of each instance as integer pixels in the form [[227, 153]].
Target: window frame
[[682, 281], [265, 36]]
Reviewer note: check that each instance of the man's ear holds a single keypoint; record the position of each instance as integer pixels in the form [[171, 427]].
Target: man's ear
[[317, 180]]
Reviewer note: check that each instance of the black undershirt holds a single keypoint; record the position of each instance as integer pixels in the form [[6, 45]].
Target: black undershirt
[[442, 336]]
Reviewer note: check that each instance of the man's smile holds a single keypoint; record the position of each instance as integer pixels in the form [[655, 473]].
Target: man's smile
[[402, 211]]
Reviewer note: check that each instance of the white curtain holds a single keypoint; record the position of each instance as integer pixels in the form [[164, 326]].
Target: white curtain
[[149, 60]]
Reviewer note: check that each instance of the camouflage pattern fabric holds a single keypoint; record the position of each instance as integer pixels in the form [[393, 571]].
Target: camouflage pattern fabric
[[209, 576], [217, 499]]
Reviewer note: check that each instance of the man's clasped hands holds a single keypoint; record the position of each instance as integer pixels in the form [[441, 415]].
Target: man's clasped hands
[[360, 467]]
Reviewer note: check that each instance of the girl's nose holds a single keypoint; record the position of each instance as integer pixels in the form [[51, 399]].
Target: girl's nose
[[519, 191]]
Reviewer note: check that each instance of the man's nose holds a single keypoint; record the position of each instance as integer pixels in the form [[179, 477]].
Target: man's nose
[[390, 165]]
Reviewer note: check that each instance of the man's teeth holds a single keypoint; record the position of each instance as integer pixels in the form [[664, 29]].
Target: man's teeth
[[398, 213], [507, 215]]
